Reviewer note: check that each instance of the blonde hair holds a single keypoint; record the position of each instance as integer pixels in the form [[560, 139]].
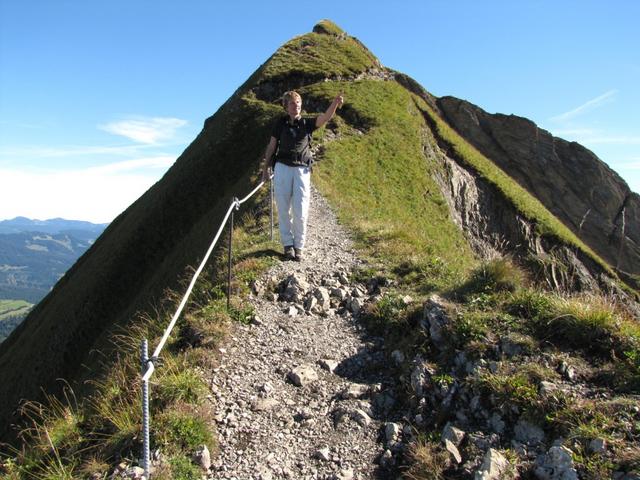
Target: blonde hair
[[287, 96]]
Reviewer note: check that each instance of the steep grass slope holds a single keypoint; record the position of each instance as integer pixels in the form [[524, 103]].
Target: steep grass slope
[[140, 254]]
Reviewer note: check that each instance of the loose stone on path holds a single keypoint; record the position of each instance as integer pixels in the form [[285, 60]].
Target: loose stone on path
[[293, 392]]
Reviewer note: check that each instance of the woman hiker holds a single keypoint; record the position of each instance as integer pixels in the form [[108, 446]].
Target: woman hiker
[[290, 141]]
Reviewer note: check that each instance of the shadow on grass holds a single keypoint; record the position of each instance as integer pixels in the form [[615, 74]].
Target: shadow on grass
[[266, 253]]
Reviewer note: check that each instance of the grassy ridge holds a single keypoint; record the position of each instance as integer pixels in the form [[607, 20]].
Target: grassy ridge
[[320, 55], [382, 186]]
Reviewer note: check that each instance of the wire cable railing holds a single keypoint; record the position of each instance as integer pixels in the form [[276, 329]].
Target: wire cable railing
[[149, 363]]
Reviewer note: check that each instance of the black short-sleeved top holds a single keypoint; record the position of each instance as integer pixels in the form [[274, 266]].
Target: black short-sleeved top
[[294, 140]]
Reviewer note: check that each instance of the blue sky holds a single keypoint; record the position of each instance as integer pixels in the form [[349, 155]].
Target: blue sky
[[98, 99]]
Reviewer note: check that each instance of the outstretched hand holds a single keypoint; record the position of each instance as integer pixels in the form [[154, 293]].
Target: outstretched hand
[[328, 115]]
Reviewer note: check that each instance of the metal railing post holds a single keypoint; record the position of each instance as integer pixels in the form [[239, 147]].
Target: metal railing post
[[271, 203], [148, 366], [144, 359]]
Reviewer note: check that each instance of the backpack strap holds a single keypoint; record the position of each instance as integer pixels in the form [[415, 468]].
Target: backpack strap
[[310, 139]]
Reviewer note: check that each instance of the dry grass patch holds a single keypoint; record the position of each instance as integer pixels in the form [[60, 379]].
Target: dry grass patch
[[429, 461]]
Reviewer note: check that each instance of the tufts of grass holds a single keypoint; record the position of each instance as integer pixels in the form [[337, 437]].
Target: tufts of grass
[[181, 429], [593, 467], [429, 461], [117, 423], [581, 323], [627, 372], [585, 420], [52, 467], [205, 328], [183, 469], [424, 275], [468, 327], [241, 311], [178, 468], [179, 384], [390, 310], [95, 468], [517, 385], [536, 373], [515, 389], [589, 322], [529, 303], [616, 421], [481, 319], [493, 276], [249, 269], [9, 468], [628, 459], [54, 428]]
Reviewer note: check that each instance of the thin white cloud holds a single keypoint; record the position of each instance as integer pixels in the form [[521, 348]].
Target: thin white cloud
[[590, 136], [571, 132], [96, 194], [586, 107], [634, 165], [612, 140], [145, 130], [163, 162], [18, 152]]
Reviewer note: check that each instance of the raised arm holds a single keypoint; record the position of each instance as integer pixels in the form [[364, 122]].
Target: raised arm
[[326, 116], [266, 161]]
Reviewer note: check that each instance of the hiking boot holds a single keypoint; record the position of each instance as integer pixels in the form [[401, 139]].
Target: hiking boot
[[289, 252], [299, 254]]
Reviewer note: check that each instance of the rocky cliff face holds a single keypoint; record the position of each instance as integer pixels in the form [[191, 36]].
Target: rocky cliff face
[[572, 182], [495, 228]]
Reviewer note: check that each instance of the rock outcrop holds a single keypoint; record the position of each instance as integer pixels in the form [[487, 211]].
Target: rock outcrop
[[570, 180], [494, 228]]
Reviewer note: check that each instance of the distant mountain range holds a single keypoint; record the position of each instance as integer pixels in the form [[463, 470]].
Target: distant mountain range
[[76, 228], [35, 254]]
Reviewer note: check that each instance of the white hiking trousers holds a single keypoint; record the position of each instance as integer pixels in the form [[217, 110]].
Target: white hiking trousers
[[292, 189]]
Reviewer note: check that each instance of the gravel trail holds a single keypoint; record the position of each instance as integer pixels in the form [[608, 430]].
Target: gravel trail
[[301, 392]]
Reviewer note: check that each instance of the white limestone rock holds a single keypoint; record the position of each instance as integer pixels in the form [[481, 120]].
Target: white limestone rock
[[453, 434], [557, 464], [494, 466], [303, 375]]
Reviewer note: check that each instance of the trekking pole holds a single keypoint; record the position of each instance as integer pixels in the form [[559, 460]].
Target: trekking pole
[[236, 206], [271, 203]]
